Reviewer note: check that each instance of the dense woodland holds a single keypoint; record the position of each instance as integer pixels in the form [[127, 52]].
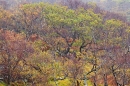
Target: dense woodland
[[67, 44]]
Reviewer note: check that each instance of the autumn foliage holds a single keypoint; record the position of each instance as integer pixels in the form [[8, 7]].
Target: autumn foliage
[[73, 44]]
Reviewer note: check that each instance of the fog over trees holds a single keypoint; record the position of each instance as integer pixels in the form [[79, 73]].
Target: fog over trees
[[64, 43], [118, 6]]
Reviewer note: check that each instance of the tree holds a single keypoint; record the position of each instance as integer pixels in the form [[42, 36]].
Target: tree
[[14, 49]]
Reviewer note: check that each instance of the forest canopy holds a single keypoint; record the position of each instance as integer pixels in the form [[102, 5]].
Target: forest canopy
[[65, 44]]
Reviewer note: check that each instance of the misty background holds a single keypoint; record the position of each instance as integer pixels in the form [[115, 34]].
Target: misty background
[[117, 6]]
